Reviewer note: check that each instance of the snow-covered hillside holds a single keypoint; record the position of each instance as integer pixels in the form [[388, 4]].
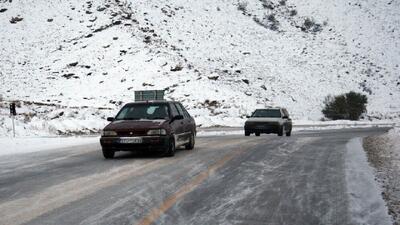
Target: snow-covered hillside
[[72, 63]]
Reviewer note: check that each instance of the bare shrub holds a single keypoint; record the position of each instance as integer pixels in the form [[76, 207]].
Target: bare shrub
[[242, 6], [309, 25], [269, 21], [267, 4]]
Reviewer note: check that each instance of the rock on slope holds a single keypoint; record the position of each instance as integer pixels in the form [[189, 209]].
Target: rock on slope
[[220, 58]]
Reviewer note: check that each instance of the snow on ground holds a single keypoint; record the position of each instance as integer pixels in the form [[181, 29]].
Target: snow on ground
[[58, 120], [48, 120], [338, 124], [222, 132], [298, 126], [11, 146], [221, 59], [365, 200], [384, 155]]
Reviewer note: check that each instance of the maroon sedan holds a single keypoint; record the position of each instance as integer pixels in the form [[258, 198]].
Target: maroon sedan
[[151, 125]]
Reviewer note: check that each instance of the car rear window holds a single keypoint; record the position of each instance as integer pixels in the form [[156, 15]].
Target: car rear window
[[275, 113], [143, 111]]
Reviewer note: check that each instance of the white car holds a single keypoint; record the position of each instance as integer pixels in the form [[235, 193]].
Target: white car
[[269, 120]]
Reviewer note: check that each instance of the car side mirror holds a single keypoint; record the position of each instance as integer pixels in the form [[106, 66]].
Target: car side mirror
[[247, 116], [178, 117], [110, 119], [285, 117]]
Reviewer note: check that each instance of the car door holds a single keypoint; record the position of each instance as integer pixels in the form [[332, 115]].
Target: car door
[[288, 121], [176, 125], [182, 136], [191, 124]]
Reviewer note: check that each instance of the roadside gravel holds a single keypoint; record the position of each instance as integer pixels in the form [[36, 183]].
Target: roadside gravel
[[384, 155]]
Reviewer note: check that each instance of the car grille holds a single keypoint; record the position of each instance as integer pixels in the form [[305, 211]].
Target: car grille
[[262, 124], [132, 133]]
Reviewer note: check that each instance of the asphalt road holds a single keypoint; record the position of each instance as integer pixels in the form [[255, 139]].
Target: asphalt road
[[224, 180]]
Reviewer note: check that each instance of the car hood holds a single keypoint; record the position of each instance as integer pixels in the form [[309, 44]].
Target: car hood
[[135, 124], [263, 119]]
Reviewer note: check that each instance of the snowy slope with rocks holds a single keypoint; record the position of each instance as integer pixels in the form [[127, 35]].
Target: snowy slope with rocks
[[72, 63]]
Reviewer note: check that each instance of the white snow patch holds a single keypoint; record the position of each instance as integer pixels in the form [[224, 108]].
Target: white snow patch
[[365, 200], [9, 146], [205, 133]]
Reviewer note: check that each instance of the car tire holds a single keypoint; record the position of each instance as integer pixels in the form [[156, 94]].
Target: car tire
[[280, 131], [257, 134], [191, 143], [246, 133], [171, 148], [288, 133], [108, 153]]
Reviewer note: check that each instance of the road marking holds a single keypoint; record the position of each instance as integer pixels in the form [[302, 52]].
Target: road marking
[[156, 212]]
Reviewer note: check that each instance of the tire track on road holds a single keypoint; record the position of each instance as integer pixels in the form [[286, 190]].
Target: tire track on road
[[156, 212], [24, 209]]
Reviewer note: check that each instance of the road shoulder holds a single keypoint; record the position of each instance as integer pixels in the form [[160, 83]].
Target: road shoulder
[[383, 153], [365, 201]]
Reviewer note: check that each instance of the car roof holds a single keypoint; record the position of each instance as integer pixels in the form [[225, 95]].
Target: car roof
[[270, 108], [151, 102]]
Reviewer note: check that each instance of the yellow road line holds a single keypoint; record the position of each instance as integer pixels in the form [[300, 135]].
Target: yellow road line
[[156, 212]]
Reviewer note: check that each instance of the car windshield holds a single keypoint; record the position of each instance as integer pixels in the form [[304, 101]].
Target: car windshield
[[275, 113], [143, 111]]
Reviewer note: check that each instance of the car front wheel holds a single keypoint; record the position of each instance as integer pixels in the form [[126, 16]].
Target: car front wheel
[[171, 148], [280, 131], [190, 145], [108, 153], [246, 133]]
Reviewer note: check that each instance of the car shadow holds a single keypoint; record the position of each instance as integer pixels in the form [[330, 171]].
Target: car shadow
[[123, 155]]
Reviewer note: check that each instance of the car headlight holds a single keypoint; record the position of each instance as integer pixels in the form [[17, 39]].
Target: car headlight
[[157, 132], [108, 133]]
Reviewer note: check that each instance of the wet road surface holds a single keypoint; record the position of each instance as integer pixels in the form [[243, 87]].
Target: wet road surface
[[224, 180]]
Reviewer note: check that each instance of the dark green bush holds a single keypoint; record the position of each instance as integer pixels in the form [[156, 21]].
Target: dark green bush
[[347, 106]]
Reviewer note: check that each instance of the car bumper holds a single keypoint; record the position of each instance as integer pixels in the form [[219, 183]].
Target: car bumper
[[263, 128], [156, 143]]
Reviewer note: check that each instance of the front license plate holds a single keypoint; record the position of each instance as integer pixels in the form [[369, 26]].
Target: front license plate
[[131, 140]]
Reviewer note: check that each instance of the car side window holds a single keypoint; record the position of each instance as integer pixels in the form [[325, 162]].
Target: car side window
[[185, 112], [174, 111], [285, 113], [178, 107]]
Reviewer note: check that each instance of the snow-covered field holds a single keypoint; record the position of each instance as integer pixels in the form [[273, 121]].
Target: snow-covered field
[[91, 121], [70, 64], [11, 146]]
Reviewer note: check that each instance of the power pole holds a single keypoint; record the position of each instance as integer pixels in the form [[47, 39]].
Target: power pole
[[13, 112]]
